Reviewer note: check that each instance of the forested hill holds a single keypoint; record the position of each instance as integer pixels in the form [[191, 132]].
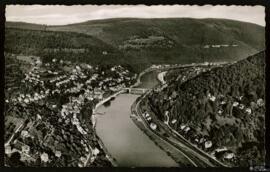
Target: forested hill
[[224, 106], [26, 26], [70, 46], [171, 40]]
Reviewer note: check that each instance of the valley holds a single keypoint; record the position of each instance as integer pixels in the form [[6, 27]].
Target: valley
[[177, 92]]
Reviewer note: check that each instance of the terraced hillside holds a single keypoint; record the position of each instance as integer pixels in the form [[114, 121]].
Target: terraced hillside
[[221, 111], [172, 40]]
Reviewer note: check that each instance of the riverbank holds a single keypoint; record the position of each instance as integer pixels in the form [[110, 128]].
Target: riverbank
[[161, 76], [170, 151], [143, 73], [177, 155], [94, 120], [107, 99], [208, 160], [108, 155], [124, 140], [160, 143]]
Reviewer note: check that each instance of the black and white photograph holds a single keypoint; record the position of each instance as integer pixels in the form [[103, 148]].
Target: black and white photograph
[[134, 86]]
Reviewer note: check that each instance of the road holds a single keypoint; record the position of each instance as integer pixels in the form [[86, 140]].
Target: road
[[11, 138], [185, 159], [88, 158], [194, 155]]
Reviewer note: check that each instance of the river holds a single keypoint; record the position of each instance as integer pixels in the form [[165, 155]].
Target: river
[[149, 80], [123, 139]]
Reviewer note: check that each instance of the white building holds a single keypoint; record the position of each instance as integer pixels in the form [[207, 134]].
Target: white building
[[248, 111], [58, 154], [187, 129], [221, 149], [220, 111], [182, 127], [96, 151], [44, 157], [153, 126], [260, 102], [241, 106], [146, 115], [148, 118], [235, 104], [8, 149], [25, 134], [223, 102], [174, 121], [212, 98], [25, 149], [228, 155], [208, 144]]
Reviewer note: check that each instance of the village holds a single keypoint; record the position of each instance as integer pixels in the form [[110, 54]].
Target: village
[[48, 121]]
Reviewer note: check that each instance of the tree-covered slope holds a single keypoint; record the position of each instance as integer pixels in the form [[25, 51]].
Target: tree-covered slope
[[224, 106], [172, 40], [74, 47], [24, 25]]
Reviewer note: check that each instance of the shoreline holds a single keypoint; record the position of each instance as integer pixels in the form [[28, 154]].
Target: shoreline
[[163, 145], [156, 141], [94, 121], [94, 118], [108, 155], [160, 79]]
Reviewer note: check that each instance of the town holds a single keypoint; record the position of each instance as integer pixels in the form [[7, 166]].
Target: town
[[48, 119]]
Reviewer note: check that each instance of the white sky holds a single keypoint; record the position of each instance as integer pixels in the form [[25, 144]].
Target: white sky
[[60, 14]]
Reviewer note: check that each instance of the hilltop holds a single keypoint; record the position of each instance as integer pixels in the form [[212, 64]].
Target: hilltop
[[222, 110], [170, 40], [70, 46], [24, 25]]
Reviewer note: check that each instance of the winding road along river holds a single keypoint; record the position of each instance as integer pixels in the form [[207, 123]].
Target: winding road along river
[[123, 139]]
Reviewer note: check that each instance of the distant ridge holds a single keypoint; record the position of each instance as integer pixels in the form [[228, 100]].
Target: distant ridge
[[24, 25], [10, 23], [168, 40]]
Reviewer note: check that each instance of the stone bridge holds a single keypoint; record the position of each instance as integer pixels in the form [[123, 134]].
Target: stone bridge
[[139, 91]]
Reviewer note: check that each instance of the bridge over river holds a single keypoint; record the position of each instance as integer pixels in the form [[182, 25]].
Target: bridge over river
[[129, 145], [124, 141], [138, 91], [129, 90]]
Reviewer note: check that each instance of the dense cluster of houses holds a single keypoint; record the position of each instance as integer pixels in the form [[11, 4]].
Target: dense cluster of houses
[[51, 102]]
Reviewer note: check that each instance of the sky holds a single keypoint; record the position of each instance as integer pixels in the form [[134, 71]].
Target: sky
[[61, 15]]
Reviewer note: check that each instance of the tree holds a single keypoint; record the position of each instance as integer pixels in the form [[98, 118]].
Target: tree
[[15, 160]]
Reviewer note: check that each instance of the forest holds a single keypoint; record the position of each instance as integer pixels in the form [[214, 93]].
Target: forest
[[224, 105], [70, 46], [139, 42]]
